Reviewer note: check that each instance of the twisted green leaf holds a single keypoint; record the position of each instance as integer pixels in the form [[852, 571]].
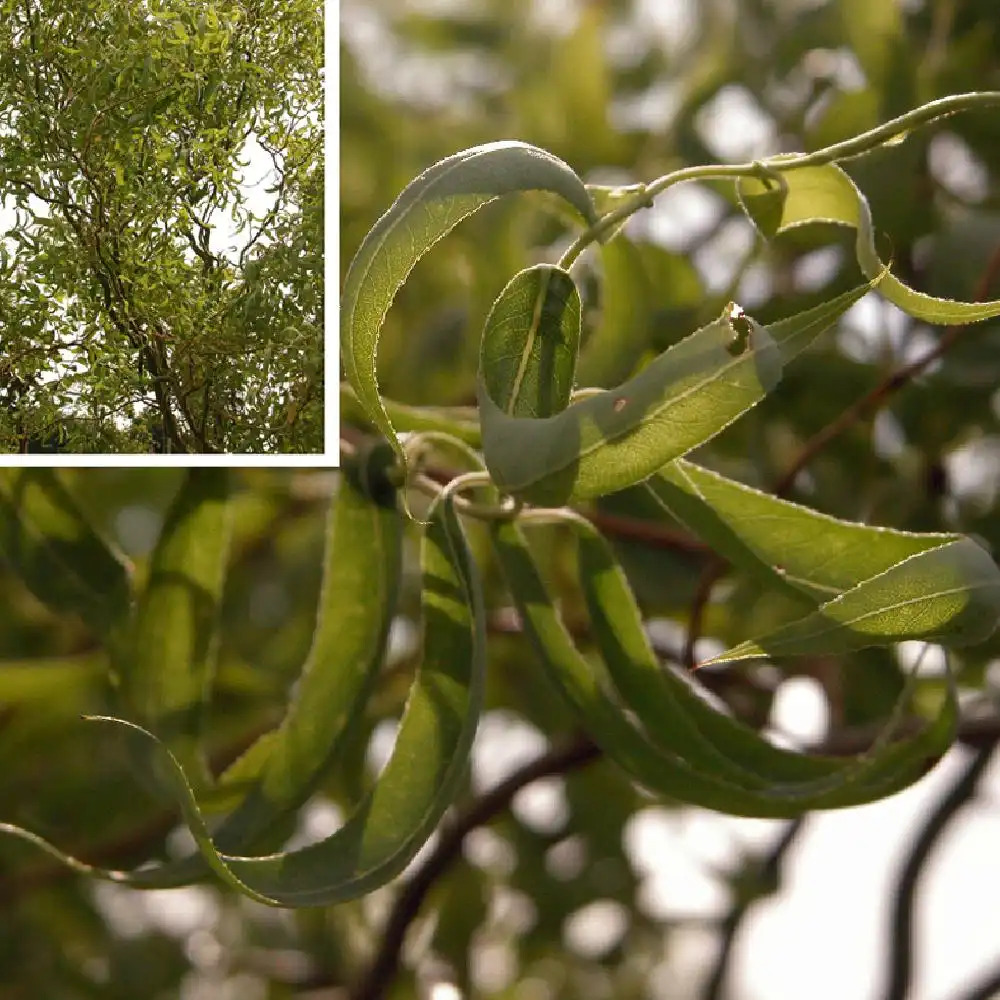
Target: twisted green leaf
[[361, 572], [826, 193], [783, 544], [418, 783], [681, 763], [427, 210], [948, 594], [619, 437], [531, 342]]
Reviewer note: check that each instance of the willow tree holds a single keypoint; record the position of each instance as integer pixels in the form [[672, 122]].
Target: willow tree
[[160, 273]]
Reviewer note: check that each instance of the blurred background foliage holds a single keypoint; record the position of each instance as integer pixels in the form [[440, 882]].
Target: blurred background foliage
[[558, 897]]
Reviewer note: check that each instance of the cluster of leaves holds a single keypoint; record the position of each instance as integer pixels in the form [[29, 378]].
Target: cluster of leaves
[[636, 112], [854, 586], [124, 142], [160, 643], [850, 585]]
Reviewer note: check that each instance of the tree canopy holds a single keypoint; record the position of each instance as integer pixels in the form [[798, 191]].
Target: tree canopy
[[161, 232]]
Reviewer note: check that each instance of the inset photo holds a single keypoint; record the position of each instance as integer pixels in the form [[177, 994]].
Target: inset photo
[[161, 227]]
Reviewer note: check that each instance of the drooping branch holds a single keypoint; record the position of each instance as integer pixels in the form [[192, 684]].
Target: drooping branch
[[988, 988]]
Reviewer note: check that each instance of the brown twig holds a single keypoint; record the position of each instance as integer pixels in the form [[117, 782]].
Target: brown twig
[[880, 393], [988, 988], [710, 576], [377, 979], [649, 533]]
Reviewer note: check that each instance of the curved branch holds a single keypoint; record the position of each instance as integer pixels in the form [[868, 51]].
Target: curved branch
[[904, 898], [766, 880], [988, 988], [377, 979]]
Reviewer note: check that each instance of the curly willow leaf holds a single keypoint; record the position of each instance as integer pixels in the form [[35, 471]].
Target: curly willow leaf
[[427, 210], [781, 543], [361, 572], [419, 782], [826, 193], [684, 749], [948, 594], [615, 438]]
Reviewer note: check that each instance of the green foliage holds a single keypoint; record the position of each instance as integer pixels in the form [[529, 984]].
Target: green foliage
[[426, 211], [129, 139], [541, 449], [305, 670]]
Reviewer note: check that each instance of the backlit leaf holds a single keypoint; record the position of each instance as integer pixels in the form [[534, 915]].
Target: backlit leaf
[[530, 343], [619, 437], [428, 209], [948, 594], [418, 783], [827, 194], [679, 764], [780, 542]]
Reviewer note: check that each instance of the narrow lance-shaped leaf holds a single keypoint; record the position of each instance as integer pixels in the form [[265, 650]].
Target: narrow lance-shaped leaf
[[52, 545], [948, 594], [164, 673], [827, 194], [784, 544], [614, 439], [427, 210], [619, 437], [418, 783], [664, 702], [361, 571], [684, 775], [680, 720]]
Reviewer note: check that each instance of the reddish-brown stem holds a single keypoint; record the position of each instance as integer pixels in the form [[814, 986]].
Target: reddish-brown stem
[[892, 383]]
